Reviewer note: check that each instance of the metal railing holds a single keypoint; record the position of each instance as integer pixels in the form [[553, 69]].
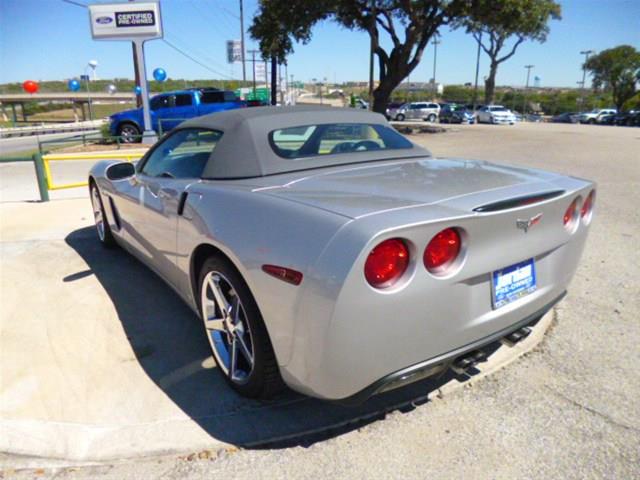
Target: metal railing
[[43, 159]]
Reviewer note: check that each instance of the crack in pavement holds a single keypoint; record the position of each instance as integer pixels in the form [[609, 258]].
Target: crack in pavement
[[606, 417]]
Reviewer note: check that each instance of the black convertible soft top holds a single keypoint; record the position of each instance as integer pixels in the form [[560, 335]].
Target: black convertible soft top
[[244, 151]]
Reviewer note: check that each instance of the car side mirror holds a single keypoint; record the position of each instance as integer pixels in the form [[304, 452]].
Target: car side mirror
[[120, 171]]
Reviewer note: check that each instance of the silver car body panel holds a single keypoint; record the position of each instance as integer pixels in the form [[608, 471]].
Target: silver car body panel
[[334, 334]]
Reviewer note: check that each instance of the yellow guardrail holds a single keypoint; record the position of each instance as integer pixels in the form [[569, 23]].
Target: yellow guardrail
[[128, 156]]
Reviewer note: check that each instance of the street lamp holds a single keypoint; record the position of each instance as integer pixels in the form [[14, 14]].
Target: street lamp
[[586, 54], [435, 43], [92, 64], [526, 88]]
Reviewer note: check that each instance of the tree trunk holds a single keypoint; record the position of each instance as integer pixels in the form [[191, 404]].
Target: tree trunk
[[490, 83], [386, 86]]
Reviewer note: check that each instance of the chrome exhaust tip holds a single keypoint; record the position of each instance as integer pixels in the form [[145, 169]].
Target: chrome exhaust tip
[[517, 336]]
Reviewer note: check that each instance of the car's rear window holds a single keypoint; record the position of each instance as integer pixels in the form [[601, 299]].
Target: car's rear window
[[335, 138]]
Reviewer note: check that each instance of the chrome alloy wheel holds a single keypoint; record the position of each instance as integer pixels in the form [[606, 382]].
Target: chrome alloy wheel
[[97, 212], [227, 327]]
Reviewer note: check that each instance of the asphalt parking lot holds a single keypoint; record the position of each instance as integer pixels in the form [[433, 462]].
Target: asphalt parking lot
[[567, 409]]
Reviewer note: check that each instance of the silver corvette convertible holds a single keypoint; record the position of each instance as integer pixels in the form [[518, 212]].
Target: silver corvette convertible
[[326, 252]]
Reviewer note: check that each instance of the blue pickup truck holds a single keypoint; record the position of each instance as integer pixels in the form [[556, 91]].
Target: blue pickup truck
[[171, 108]]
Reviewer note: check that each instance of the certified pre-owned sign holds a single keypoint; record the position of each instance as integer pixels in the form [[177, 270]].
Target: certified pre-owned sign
[[125, 21], [135, 19]]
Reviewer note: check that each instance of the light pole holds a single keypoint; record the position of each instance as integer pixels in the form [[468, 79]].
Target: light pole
[[92, 64], [526, 88], [244, 68], [586, 54], [435, 43], [475, 86]]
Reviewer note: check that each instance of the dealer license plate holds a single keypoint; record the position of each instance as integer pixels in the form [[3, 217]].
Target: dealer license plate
[[514, 282]]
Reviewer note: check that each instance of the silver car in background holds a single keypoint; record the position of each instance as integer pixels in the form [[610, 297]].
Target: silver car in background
[[324, 251], [428, 111]]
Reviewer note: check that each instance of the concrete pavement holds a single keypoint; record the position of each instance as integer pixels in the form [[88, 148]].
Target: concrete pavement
[[568, 409]]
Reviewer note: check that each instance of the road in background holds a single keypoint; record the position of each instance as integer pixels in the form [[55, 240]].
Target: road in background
[[567, 410], [30, 142]]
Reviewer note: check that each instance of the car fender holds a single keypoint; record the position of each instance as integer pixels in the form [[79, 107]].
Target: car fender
[[253, 229]]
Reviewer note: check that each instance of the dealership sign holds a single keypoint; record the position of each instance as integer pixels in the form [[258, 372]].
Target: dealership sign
[[125, 21], [234, 51]]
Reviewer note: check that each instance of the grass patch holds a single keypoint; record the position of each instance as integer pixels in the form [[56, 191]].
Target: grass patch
[[100, 110]]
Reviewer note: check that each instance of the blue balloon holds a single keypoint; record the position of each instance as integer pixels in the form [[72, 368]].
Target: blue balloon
[[160, 74], [138, 90], [74, 85]]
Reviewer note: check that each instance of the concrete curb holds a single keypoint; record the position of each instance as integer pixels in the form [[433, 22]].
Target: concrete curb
[[84, 445]]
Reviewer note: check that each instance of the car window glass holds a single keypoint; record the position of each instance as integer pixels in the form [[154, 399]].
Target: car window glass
[[336, 138], [183, 154], [162, 101], [209, 96], [183, 100]]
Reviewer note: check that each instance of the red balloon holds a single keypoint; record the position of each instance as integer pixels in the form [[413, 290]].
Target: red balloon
[[30, 86]]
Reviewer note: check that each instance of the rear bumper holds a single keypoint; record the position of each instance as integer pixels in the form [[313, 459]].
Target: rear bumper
[[422, 370]]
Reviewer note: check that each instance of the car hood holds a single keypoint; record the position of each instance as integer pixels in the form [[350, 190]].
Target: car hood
[[125, 113], [382, 186]]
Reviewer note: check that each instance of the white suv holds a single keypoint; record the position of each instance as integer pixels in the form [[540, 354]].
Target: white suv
[[495, 114], [594, 115]]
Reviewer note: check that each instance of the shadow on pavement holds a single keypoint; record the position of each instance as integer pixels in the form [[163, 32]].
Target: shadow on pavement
[[170, 345]]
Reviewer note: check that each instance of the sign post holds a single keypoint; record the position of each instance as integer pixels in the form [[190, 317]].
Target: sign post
[[133, 22]]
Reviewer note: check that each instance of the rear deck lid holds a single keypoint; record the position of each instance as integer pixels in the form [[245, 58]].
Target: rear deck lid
[[362, 190]]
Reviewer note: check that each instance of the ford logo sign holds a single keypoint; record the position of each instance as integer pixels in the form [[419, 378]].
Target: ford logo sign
[[104, 20]]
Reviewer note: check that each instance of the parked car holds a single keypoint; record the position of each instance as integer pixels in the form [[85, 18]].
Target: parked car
[[325, 251], [256, 103], [593, 116], [169, 109], [454, 113], [625, 118], [392, 107], [567, 117], [416, 111], [607, 119], [496, 114]]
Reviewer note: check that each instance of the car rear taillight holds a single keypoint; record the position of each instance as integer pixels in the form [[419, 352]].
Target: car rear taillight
[[587, 207], [386, 263], [443, 249], [571, 216]]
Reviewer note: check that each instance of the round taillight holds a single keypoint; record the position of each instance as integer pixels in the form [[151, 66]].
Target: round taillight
[[571, 216], [587, 207], [386, 263], [442, 250]]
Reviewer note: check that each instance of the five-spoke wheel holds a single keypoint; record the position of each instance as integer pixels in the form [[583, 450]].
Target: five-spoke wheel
[[236, 332], [102, 225]]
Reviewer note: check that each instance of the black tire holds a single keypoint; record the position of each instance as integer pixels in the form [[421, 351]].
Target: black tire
[[591, 121], [264, 380], [431, 118], [104, 236], [129, 132], [400, 117]]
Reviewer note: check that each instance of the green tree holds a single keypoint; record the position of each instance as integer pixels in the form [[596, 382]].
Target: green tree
[[616, 70], [409, 25], [500, 27]]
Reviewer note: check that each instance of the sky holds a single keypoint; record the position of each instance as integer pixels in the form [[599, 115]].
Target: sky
[[51, 40]]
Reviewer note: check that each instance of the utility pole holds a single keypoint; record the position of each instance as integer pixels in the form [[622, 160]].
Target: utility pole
[[435, 58], [244, 69], [526, 88], [586, 54], [475, 86], [274, 80], [253, 64]]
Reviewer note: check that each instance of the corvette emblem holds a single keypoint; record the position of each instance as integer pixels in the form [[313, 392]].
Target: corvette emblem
[[528, 223]]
